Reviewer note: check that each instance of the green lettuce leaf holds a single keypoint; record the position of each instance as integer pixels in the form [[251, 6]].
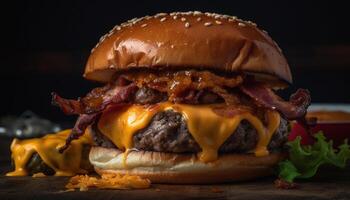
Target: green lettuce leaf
[[304, 160]]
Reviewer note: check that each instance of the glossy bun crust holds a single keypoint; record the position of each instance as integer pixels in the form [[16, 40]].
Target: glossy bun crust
[[191, 40], [183, 168]]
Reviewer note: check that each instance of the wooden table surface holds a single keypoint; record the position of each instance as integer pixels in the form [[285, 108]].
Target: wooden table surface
[[331, 184]]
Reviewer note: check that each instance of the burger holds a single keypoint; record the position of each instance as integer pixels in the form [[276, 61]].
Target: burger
[[188, 97]]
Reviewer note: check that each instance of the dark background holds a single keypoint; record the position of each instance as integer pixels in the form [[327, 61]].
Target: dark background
[[46, 44]]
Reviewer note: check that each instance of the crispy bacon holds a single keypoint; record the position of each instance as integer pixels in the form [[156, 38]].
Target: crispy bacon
[[190, 87], [231, 110], [95, 101], [295, 108], [183, 86], [89, 109], [68, 106], [229, 98], [83, 121]]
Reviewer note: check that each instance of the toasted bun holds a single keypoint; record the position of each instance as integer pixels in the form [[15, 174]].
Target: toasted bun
[[183, 169], [187, 40]]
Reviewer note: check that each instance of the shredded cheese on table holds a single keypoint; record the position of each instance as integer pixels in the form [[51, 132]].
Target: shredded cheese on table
[[107, 181]]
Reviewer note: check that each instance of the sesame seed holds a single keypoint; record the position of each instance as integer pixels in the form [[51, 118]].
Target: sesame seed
[[209, 14], [251, 23], [143, 25], [183, 19], [265, 32], [172, 14], [199, 19], [140, 19], [233, 17], [225, 16], [241, 24], [103, 38], [196, 13], [279, 49], [218, 22], [116, 28], [207, 24], [217, 16], [172, 46], [163, 19], [131, 20], [136, 20], [159, 15], [187, 24], [110, 34], [175, 17]]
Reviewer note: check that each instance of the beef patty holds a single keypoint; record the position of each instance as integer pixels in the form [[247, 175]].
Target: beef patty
[[168, 132]]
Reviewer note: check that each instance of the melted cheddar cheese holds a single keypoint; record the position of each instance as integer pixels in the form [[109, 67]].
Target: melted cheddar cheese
[[207, 128], [65, 164]]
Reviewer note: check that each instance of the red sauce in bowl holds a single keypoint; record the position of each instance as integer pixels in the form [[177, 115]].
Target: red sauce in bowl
[[334, 124]]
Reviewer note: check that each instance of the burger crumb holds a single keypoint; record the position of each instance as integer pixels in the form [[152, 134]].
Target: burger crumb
[[216, 190], [157, 190], [282, 184], [38, 175], [64, 191]]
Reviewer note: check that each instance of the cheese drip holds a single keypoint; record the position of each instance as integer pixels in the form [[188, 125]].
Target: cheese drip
[[209, 129], [65, 164]]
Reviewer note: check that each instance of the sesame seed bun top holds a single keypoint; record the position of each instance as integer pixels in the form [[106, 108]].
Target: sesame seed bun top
[[192, 40]]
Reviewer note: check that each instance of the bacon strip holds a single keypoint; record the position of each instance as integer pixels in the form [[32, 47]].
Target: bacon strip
[[89, 110], [94, 103], [293, 109], [68, 106], [182, 86], [230, 99], [231, 110], [83, 121]]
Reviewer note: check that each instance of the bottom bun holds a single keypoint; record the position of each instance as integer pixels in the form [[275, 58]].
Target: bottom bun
[[182, 168]]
